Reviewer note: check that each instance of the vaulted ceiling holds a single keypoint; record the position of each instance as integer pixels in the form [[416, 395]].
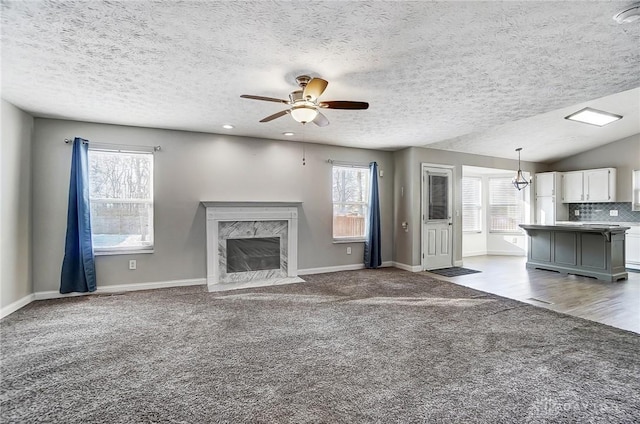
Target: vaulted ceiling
[[478, 77]]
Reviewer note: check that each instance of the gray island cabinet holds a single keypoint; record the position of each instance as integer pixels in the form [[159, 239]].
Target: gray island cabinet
[[590, 250]]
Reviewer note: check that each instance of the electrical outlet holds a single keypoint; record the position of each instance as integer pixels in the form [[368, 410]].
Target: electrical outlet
[[133, 264], [348, 250], [613, 212], [577, 213]]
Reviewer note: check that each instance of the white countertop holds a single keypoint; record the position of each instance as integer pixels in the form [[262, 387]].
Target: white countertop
[[620, 224]]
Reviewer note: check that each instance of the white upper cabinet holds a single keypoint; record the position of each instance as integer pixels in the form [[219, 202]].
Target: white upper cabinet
[[598, 186], [635, 202], [545, 184], [593, 186], [572, 187]]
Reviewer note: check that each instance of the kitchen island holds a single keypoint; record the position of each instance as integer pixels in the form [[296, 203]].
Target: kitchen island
[[590, 250]]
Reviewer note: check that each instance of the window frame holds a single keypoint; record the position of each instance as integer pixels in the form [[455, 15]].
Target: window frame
[[127, 250], [364, 204], [478, 206], [519, 196]]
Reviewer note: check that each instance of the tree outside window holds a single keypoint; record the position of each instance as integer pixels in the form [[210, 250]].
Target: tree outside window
[[121, 198], [350, 202]]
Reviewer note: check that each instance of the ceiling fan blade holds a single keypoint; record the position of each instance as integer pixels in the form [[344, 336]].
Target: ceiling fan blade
[[266, 99], [275, 115], [321, 120], [314, 89], [343, 104]]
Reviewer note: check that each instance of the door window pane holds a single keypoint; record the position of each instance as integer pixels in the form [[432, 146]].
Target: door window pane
[[438, 197]]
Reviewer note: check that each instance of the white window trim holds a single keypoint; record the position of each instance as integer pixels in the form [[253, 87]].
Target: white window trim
[[342, 240], [120, 251], [524, 198], [137, 250], [479, 206]]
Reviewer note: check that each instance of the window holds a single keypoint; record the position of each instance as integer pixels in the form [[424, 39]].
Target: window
[[121, 197], [350, 202], [506, 206], [472, 204]]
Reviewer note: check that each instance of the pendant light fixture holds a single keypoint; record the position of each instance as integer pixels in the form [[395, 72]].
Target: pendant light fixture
[[519, 181]]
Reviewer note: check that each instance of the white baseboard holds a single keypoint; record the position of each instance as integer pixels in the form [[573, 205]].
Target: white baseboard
[[410, 268], [20, 303], [350, 267], [124, 287], [475, 253], [457, 263], [505, 253]]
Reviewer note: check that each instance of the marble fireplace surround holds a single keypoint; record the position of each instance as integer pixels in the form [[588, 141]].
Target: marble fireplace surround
[[246, 220]]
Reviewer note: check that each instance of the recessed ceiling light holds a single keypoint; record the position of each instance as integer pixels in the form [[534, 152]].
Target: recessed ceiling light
[[288, 134], [593, 117], [228, 127]]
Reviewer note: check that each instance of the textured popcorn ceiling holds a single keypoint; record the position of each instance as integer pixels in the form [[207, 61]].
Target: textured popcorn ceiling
[[464, 76]]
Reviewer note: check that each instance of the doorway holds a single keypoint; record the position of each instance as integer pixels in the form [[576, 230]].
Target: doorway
[[437, 222]]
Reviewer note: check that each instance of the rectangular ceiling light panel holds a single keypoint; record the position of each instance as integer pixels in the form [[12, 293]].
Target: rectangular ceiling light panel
[[593, 117]]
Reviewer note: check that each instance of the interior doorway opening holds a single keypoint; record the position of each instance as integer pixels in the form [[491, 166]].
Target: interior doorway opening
[[492, 209]]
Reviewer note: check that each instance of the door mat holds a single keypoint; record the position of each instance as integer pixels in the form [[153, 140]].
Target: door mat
[[453, 272]]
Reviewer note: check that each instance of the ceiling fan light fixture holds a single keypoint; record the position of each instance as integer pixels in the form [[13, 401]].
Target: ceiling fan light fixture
[[304, 114]]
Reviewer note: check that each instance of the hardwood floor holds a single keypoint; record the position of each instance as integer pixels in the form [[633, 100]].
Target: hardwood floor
[[615, 304]]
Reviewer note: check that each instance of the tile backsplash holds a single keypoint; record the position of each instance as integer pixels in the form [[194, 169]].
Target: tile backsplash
[[600, 212]]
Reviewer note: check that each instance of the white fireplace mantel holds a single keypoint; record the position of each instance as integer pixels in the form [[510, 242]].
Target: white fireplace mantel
[[247, 215]]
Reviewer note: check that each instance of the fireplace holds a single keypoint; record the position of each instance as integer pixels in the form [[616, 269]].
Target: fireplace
[[251, 244], [253, 254]]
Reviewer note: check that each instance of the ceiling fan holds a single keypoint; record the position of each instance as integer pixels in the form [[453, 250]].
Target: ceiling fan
[[305, 106]]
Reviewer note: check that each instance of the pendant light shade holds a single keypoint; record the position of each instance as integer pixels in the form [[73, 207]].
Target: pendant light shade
[[519, 181]]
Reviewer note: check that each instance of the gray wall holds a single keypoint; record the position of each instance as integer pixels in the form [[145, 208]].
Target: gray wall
[[190, 168], [624, 155], [15, 205], [404, 204], [408, 248]]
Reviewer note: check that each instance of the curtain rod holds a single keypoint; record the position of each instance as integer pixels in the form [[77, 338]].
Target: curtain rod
[[119, 146], [347, 163]]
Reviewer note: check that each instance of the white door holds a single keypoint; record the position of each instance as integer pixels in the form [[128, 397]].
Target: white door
[[437, 224]]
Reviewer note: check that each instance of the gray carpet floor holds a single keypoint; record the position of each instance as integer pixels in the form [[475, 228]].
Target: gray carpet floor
[[370, 346]]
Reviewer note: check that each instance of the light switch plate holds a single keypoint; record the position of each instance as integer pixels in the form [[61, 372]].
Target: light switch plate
[[577, 213], [613, 212]]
